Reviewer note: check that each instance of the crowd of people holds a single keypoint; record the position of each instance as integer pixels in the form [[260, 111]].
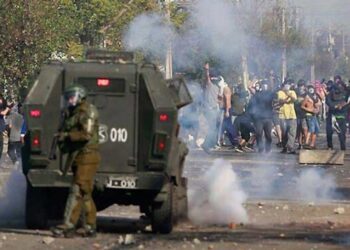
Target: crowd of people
[[246, 119], [13, 127]]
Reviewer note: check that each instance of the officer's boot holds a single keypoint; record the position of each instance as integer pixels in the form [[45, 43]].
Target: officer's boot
[[87, 231], [63, 230]]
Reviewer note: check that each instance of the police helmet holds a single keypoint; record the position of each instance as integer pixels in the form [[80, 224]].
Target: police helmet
[[74, 94]]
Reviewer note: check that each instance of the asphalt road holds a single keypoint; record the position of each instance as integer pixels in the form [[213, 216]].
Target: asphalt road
[[281, 215]]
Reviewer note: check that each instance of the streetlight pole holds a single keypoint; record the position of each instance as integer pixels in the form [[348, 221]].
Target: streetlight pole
[[169, 52], [284, 51], [313, 76]]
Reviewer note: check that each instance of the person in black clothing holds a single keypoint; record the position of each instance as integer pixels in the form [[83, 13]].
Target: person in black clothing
[[338, 103], [262, 113], [4, 109], [302, 128]]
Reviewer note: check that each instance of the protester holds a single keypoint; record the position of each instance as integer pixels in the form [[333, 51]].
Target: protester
[[211, 110], [226, 107], [286, 98], [15, 120], [262, 113], [311, 105], [338, 104], [276, 107], [4, 109], [302, 128], [244, 125]]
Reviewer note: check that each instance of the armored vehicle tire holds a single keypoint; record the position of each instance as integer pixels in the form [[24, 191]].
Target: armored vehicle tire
[[36, 214], [162, 214]]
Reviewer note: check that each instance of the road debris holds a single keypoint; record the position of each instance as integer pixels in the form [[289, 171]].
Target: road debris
[[339, 210], [48, 240], [129, 239], [196, 241]]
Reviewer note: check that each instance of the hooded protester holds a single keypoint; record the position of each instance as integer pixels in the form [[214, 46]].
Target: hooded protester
[[338, 103], [261, 111], [286, 98]]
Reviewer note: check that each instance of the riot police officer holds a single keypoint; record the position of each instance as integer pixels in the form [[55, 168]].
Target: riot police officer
[[78, 139]]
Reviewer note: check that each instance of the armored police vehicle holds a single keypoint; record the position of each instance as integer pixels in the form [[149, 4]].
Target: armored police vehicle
[[142, 157]]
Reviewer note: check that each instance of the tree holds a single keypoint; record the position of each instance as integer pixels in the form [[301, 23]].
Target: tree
[[28, 36]]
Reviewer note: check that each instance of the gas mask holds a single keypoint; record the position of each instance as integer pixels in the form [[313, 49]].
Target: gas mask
[[222, 84], [265, 87], [286, 87], [311, 91], [257, 88]]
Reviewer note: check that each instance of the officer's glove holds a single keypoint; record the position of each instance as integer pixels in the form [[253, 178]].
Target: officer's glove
[[61, 136]]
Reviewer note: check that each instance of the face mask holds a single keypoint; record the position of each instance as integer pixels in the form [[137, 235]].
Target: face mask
[[311, 91], [286, 87], [257, 88]]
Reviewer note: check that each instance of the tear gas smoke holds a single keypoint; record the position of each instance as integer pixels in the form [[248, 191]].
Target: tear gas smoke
[[308, 185], [218, 199], [12, 199], [211, 30], [149, 34], [314, 185]]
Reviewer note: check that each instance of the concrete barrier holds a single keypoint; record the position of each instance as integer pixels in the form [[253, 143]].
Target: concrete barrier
[[321, 157]]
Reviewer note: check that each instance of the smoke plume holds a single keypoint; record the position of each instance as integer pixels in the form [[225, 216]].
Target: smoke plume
[[309, 185], [218, 198], [314, 185], [211, 30]]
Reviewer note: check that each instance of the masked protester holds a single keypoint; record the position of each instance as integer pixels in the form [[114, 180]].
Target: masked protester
[[79, 140], [286, 98], [311, 105], [338, 104], [226, 107], [302, 128], [262, 114]]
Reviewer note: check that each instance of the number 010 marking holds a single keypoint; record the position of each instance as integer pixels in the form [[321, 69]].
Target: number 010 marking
[[119, 135]]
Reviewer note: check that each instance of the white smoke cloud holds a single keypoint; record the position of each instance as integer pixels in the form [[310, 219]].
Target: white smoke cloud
[[313, 185], [219, 198], [150, 34], [211, 30]]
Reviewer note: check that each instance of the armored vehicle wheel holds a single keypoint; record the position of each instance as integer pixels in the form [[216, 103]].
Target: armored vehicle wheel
[[162, 214], [36, 214]]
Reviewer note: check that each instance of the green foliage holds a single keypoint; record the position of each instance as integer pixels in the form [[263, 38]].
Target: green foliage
[[32, 31], [36, 29]]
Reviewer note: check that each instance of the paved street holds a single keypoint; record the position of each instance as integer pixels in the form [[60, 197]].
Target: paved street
[[289, 207]]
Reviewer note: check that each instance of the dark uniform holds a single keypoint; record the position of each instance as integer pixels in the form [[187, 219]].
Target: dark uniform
[[79, 139], [338, 103]]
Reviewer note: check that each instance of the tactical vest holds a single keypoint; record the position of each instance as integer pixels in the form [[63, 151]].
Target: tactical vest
[[82, 118]]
